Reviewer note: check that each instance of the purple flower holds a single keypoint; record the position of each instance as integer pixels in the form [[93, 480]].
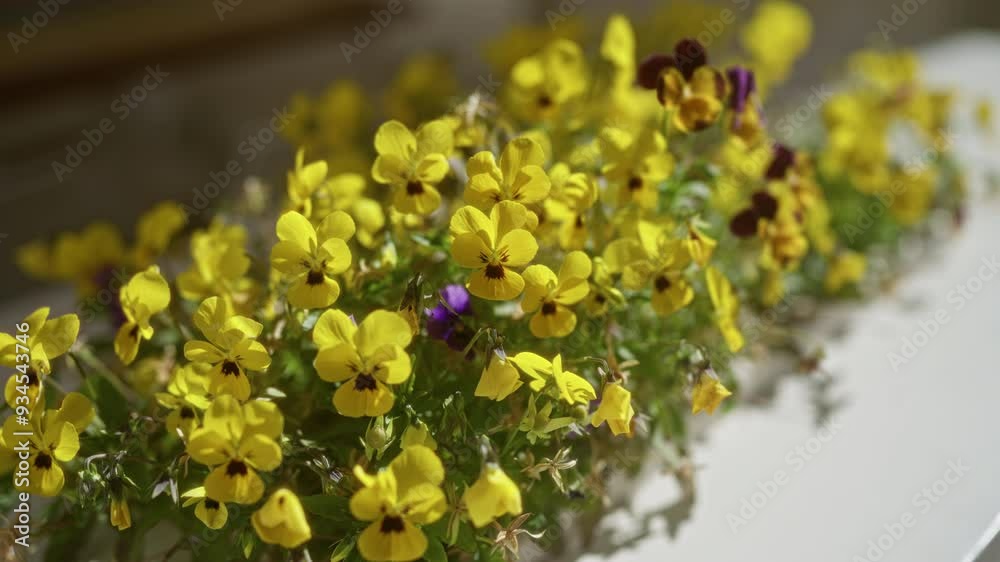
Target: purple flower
[[744, 85], [688, 56], [445, 323]]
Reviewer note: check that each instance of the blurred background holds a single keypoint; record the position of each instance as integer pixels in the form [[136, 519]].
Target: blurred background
[[216, 72]]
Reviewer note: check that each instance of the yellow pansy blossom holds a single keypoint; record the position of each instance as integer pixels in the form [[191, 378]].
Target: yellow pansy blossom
[[499, 379], [727, 308], [413, 164], [365, 359], [518, 177], [236, 441], [493, 495], [48, 338], [543, 84], [552, 295], [121, 515], [186, 397], [708, 393], [144, 296], [281, 520], [635, 164], [231, 349], [54, 439], [653, 257], [493, 246], [396, 500], [616, 409], [219, 266], [212, 513], [309, 257], [846, 267]]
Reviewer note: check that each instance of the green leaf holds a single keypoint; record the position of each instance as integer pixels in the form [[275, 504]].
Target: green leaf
[[330, 507], [435, 552]]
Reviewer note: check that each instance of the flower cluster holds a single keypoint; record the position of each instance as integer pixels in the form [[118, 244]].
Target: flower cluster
[[452, 332]]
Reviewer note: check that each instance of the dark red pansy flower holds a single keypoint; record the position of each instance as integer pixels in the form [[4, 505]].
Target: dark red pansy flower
[[783, 159]]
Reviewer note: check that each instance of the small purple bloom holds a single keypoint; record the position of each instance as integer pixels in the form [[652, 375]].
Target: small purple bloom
[[744, 85], [445, 323]]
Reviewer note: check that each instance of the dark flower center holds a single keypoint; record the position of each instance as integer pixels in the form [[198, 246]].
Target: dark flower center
[[187, 413], [134, 334], [495, 271], [230, 367], [548, 308], [414, 188], [236, 468], [211, 504], [43, 461], [544, 101], [315, 277], [392, 524], [634, 183], [599, 298], [32, 377], [364, 381], [661, 283]]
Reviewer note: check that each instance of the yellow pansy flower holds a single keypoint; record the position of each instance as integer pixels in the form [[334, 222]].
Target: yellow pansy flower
[[727, 308], [567, 385], [518, 177], [492, 246], [635, 164], [145, 295], [543, 84], [82, 257], [121, 515], [708, 393], [281, 520], [493, 495], [422, 88], [231, 349], [418, 434], [186, 397], [154, 231], [552, 295], [48, 338], [912, 194], [573, 194], [54, 439], [694, 103], [777, 34], [846, 267], [220, 266], [365, 359], [396, 500], [334, 119], [309, 257], [653, 257], [304, 180], [616, 409], [413, 164], [236, 441], [212, 513], [699, 245], [499, 379], [603, 293]]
